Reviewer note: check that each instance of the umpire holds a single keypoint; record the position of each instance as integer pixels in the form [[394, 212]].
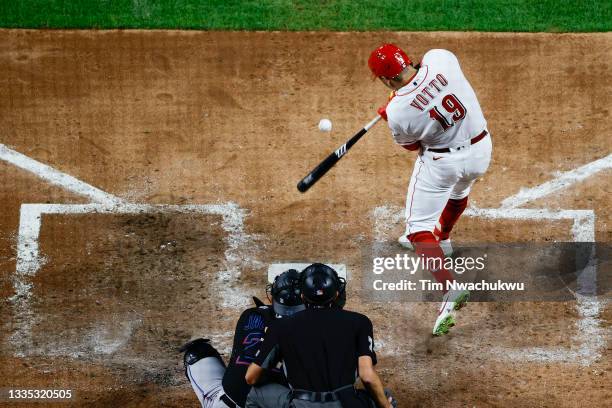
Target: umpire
[[322, 348]]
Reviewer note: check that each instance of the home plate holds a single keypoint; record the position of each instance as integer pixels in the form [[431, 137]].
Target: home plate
[[276, 269]]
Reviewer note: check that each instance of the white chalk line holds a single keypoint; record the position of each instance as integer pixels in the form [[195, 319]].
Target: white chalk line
[[56, 177], [583, 226], [29, 259], [563, 180], [590, 337]]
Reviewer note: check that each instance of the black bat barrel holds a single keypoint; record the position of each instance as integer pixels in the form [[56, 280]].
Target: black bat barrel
[[333, 158]]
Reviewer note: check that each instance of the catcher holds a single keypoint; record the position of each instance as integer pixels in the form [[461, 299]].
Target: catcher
[[218, 386]]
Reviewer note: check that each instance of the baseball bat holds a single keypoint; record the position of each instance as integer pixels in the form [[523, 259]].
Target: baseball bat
[[333, 158]]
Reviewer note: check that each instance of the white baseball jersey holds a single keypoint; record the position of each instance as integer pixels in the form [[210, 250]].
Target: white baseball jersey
[[438, 107]]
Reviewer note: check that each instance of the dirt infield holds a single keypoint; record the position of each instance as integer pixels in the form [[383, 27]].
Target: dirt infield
[[229, 119]]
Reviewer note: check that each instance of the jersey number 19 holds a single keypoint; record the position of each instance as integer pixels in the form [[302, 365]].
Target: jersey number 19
[[452, 105]]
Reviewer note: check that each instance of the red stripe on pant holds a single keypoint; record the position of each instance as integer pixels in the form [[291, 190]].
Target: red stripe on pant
[[427, 246], [451, 213], [416, 180]]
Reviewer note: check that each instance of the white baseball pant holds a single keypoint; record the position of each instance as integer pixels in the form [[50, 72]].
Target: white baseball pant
[[436, 177], [206, 376]]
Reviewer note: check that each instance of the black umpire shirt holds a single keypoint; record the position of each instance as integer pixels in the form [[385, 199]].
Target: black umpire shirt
[[320, 348], [247, 338]]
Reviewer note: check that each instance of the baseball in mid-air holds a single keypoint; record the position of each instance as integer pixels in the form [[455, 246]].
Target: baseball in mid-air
[[325, 125]]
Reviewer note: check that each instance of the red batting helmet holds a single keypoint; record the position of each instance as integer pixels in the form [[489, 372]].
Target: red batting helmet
[[388, 61]]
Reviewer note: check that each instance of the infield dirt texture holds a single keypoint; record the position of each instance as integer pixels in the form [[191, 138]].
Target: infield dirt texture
[[181, 118]]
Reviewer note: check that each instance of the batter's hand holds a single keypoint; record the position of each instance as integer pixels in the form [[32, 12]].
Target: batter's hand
[[382, 111]]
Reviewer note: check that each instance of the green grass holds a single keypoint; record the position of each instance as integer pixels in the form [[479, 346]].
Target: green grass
[[336, 15]]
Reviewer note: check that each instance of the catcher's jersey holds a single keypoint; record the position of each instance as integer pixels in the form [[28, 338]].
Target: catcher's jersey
[[438, 107], [247, 337]]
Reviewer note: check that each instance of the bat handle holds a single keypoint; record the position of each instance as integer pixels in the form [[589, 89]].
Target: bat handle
[[372, 123]]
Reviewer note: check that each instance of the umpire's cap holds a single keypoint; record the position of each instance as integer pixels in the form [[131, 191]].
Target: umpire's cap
[[285, 293], [321, 285]]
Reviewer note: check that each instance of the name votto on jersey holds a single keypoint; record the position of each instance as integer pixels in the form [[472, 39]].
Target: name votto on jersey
[[429, 92]]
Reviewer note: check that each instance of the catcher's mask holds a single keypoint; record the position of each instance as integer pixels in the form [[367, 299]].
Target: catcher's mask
[[322, 287], [285, 293]]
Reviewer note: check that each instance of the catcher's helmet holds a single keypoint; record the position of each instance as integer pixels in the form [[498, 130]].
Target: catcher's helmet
[[388, 61], [321, 286], [285, 293]]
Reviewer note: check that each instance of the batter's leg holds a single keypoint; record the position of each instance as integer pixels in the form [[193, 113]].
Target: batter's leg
[[429, 190], [451, 213], [428, 248], [477, 165], [403, 239], [479, 157]]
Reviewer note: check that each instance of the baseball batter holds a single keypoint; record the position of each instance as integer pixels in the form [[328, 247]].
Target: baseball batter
[[434, 110]]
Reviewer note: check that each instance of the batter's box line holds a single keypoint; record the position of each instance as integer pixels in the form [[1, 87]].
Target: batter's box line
[[589, 340], [30, 260]]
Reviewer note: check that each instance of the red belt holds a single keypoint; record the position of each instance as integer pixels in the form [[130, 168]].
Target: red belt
[[472, 141]]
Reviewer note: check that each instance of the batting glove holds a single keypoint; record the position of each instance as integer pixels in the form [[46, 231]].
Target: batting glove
[[382, 111]]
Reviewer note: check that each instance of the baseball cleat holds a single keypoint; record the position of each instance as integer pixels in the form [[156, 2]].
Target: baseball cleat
[[405, 242], [461, 299], [443, 324], [452, 300], [446, 246]]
